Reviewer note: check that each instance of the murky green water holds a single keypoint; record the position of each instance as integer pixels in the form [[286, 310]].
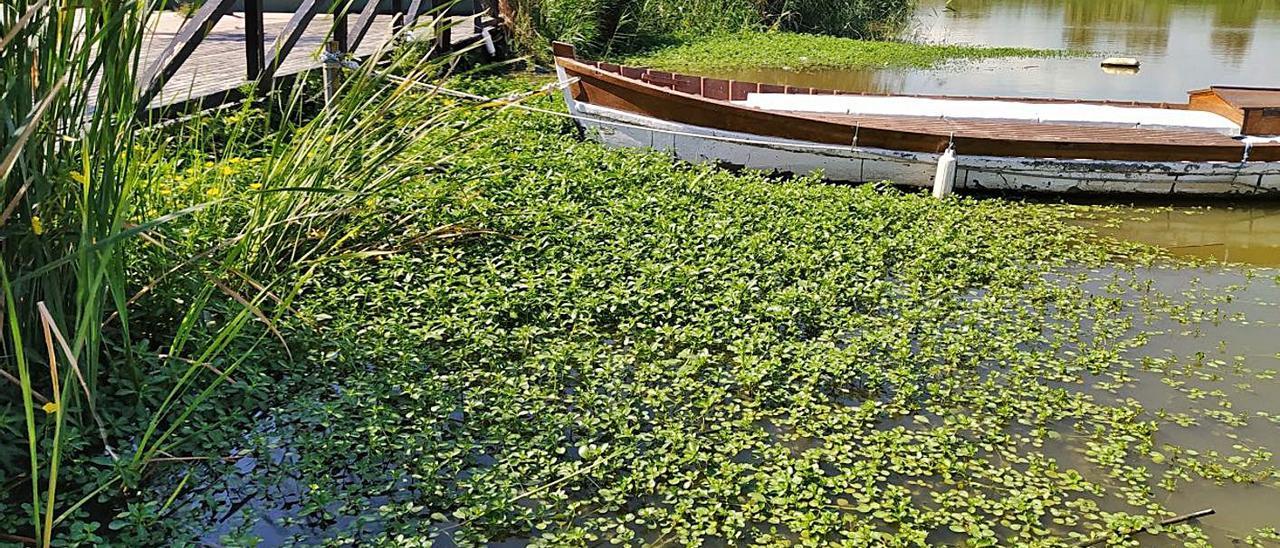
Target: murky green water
[[1230, 232], [1182, 44], [1209, 379]]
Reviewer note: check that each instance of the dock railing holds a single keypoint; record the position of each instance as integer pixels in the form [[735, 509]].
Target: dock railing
[[263, 61]]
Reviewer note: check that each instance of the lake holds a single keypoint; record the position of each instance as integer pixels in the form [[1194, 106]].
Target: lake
[[1182, 45]]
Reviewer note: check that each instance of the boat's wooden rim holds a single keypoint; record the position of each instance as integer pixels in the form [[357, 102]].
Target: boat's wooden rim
[[707, 102]]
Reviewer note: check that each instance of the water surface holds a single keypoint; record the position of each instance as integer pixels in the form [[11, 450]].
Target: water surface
[[1182, 44], [1229, 232]]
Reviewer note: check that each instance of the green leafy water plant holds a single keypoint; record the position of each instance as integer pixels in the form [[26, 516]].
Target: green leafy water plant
[[626, 349], [621, 26], [809, 52]]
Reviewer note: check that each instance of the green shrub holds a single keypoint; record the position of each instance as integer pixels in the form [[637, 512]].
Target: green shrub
[[621, 26]]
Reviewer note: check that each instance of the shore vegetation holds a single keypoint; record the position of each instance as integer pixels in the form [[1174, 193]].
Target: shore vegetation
[[405, 318]]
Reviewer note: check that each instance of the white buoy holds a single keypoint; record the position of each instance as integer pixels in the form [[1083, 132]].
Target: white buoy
[[944, 180], [1125, 62]]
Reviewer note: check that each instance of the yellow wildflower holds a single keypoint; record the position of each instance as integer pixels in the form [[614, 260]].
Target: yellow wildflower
[[36, 225], [255, 186], [213, 192], [50, 407], [227, 170]]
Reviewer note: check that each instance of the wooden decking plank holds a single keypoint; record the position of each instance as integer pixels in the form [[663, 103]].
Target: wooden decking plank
[[186, 40], [289, 36], [218, 63]]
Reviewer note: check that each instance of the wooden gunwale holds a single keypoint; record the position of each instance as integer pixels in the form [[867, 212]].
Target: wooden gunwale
[[707, 102]]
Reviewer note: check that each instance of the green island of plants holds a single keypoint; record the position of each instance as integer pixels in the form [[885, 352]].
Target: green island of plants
[[811, 52]]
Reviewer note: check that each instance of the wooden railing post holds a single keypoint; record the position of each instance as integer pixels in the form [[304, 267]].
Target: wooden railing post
[[411, 15], [332, 70], [254, 39], [442, 31], [397, 21], [340, 24], [363, 23]]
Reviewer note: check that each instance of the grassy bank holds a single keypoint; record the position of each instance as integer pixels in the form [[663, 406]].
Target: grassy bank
[[808, 52]]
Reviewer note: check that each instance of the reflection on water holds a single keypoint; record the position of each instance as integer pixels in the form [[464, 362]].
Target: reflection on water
[[1139, 26], [1247, 234], [1183, 45]]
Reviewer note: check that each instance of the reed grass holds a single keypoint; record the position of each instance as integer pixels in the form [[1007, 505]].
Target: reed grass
[[92, 235]]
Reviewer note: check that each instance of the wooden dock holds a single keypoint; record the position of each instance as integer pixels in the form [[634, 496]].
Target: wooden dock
[[217, 66]]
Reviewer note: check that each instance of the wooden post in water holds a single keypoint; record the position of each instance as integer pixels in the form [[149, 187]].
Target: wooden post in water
[[332, 70]]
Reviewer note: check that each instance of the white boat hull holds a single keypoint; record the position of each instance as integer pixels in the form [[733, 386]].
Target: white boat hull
[[860, 164]]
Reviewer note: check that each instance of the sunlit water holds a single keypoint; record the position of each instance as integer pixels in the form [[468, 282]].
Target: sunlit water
[[1182, 45], [1240, 233]]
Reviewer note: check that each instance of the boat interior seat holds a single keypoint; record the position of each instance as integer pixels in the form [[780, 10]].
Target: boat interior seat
[[1085, 114]]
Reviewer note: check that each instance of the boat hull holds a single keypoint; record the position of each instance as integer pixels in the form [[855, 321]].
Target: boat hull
[[699, 144]]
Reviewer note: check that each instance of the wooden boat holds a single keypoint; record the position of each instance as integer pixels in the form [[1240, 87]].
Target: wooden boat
[[1222, 141]]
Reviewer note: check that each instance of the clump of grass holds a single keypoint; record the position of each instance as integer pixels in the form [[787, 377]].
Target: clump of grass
[[849, 18], [104, 221], [809, 52]]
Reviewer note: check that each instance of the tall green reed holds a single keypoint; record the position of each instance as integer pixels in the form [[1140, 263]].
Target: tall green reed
[[67, 195], [86, 239]]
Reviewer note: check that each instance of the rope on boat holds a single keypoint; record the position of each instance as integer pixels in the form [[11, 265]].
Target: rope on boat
[[514, 101]]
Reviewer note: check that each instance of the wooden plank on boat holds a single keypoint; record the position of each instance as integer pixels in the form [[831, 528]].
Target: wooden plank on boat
[[1257, 110]]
